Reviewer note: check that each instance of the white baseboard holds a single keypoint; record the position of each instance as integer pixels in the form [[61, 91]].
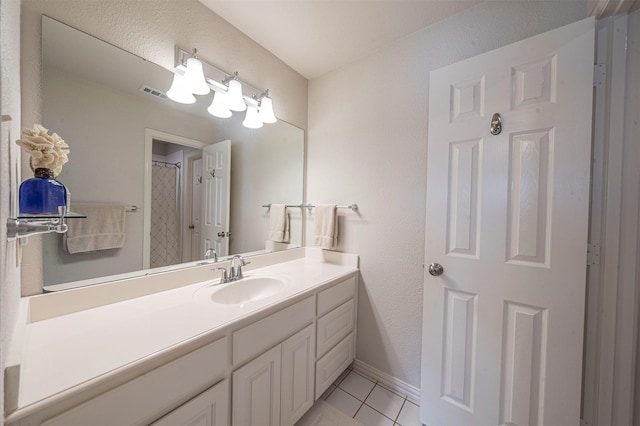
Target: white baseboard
[[396, 385]]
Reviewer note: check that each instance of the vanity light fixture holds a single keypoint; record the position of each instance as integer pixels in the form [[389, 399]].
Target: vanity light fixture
[[219, 106], [180, 90], [195, 75], [266, 114], [234, 93], [252, 119]]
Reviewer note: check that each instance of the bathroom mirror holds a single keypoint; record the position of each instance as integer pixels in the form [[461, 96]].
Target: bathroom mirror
[[109, 106]]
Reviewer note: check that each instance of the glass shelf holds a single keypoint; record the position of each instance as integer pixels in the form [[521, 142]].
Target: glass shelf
[[68, 215], [26, 225]]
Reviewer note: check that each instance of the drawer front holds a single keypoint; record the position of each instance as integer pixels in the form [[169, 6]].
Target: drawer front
[[143, 399], [334, 326], [330, 366], [336, 295], [267, 332], [210, 408]]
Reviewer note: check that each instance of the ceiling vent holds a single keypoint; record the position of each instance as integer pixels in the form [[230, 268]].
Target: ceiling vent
[[151, 91]]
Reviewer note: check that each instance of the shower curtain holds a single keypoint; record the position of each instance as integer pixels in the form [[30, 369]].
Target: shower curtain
[[165, 235]]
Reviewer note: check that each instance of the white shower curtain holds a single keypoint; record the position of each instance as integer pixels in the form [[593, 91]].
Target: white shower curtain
[[165, 235]]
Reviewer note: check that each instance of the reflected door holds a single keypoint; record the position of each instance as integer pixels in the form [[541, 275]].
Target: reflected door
[[196, 210], [507, 220], [216, 188]]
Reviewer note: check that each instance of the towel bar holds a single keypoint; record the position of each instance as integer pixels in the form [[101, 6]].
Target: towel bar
[[353, 207]]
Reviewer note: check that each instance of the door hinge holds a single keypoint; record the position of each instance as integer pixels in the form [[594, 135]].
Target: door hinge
[[599, 74], [593, 254]]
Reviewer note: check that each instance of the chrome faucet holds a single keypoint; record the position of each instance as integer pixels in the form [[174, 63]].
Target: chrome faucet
[[236, 274], [209, 252]]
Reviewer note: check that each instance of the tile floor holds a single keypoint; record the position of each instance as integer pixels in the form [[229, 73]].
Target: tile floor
[[369, 402]]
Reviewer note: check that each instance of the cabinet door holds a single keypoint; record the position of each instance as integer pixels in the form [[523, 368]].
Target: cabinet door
[[210, 408], [256, 391], [297, 375]]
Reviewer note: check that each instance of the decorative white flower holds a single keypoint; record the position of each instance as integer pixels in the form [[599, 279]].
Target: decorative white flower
[[47, 151]]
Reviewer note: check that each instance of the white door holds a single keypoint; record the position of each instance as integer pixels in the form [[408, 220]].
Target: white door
[[256, 391], [196, 210], [507, 220], [216, 194]]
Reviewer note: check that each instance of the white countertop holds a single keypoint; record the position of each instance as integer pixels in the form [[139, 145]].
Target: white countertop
[[66, 351]]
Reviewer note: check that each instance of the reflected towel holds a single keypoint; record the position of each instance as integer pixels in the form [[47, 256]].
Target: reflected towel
[[102, 229], [279, 223], [326, 226]]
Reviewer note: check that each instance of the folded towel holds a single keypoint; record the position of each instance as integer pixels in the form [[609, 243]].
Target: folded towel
[[102, 229], [326, 226], [279, 223]]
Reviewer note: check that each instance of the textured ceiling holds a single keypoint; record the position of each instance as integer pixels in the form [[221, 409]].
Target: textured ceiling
[[317, 36]]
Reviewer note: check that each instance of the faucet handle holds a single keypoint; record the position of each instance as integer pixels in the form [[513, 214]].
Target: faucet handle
[[223, 277]]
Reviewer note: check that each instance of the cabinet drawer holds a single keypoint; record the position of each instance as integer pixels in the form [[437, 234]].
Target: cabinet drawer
[[336, 295], [330, 366], [156, 392], [267, 332], [210, 408], [334, 326]]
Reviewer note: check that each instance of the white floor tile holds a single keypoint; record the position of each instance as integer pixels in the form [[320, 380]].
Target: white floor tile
[[344, 402], [357, 385], [409, 415], [370, 417], [385, 401]]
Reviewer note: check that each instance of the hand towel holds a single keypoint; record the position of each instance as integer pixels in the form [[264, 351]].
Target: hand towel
[[326, 226], [102, 229], [279, 223]]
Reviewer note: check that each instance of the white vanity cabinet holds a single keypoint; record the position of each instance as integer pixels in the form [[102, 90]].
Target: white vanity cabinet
[[277, 387], [266, 368]]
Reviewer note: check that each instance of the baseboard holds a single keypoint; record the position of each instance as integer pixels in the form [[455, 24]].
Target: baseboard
[[394, 384]]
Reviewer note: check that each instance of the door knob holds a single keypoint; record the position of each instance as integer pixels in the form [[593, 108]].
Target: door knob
[[436, 269]]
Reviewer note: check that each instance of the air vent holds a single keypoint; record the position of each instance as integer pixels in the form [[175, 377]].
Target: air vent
[[151, 91]]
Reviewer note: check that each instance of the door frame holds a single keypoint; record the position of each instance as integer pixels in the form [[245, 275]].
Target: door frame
[[611, 329], [149, 136]]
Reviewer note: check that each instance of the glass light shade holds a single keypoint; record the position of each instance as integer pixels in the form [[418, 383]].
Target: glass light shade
[[180, 91], [219, 106], [251, 120], [234, 96], [195, 77], [266, 111]]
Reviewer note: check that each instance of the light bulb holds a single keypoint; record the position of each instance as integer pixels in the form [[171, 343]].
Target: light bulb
[[251, 120], [195, 76], [219, 106], [180, 90], [234, 96], [266, 111]]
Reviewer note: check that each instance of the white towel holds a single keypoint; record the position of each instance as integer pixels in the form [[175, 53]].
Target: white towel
[[326, 226], [279, 223], [102, 229]]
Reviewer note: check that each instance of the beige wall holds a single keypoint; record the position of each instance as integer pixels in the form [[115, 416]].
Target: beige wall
[[151, 29], [367, 144]]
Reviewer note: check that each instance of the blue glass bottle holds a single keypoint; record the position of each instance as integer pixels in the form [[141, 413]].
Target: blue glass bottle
[[42, 194]]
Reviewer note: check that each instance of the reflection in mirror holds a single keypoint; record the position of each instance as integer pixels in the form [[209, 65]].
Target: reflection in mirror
[[163, 161]]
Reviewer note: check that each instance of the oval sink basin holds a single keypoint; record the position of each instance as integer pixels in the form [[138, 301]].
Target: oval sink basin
[[248, 289]]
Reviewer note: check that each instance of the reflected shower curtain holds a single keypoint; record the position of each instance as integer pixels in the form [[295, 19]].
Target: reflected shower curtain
[[165, 236]]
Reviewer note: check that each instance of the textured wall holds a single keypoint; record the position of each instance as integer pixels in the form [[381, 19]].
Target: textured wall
[[9, 157], [151, 29], [367, 144]]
